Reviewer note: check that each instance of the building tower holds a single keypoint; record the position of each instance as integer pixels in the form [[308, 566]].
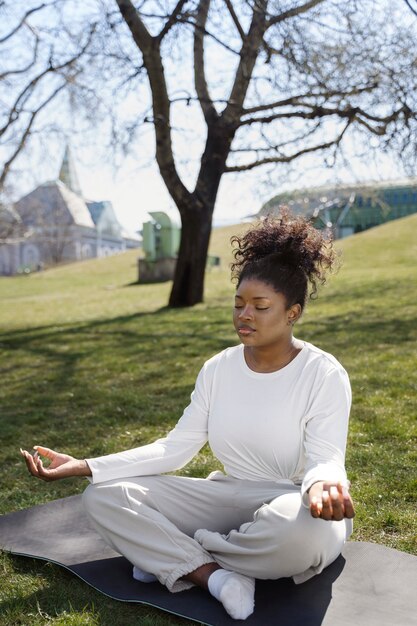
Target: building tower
[[68, 174]]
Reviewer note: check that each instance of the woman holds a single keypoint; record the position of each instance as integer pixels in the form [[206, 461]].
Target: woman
[[275, 411]]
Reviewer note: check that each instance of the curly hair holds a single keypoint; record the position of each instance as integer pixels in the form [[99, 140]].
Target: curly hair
[[286, 252]]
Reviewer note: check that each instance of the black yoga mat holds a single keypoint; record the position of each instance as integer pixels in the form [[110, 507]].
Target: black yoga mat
[[368, 585]]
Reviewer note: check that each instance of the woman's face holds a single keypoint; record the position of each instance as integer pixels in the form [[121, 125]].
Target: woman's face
[[261, 317]]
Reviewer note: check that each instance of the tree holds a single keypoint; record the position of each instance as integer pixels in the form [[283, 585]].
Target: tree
[[31, 82], [274, 81], [12, 229]]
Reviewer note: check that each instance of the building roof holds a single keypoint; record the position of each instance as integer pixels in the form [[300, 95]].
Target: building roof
[[75, 205], [61, 201], [308, 199], [97, 208], [53, 201]]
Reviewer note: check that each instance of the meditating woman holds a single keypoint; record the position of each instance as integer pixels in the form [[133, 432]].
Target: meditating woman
[[274, 410]]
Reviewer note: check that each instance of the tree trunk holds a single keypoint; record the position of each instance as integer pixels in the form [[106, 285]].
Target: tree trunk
[[196, 212], [188, 286]]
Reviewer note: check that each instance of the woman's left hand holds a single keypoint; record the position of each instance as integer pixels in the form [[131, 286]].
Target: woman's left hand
[[330, 501]]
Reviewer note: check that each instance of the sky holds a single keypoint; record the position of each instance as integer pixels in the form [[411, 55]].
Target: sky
[[135, 190], [136, 187]]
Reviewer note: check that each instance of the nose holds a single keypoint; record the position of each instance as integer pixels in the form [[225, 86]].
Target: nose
[[246, 313]]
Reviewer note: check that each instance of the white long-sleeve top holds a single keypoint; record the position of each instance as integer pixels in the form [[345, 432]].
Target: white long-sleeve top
[[289, 425]]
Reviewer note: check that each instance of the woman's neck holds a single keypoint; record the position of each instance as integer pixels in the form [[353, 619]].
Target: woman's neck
[[271, 358]]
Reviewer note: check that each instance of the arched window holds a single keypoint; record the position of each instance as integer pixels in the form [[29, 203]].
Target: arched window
[[31, 256], [5, 268], [86, 251]]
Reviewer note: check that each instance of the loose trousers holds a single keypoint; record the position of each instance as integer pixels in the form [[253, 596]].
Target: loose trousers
[[171, 525]]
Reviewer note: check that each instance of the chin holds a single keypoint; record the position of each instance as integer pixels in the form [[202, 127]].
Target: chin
[[250, 341]]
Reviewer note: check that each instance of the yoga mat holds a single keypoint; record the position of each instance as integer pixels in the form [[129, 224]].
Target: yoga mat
[[368, 585]]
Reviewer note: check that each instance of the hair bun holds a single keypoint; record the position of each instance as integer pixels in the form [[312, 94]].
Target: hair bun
[[288, 241]]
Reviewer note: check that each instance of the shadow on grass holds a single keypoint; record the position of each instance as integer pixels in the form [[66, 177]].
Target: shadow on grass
[[63, 593], [77, 385], [101, 362], [105, 385]]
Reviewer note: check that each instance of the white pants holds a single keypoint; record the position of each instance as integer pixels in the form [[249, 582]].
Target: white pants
[[257, 528]]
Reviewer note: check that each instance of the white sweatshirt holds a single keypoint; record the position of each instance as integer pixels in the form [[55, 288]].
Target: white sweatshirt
[[289, 425]]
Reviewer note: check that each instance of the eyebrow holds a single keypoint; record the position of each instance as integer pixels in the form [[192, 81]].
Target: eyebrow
[[255, 298]]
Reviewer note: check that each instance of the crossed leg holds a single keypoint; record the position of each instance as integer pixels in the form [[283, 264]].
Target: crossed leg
[[184, 529]]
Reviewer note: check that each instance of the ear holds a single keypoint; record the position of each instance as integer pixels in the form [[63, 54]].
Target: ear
[[294, 314]]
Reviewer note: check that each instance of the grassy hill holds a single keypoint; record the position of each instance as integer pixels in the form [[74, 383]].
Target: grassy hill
[[93, 363]]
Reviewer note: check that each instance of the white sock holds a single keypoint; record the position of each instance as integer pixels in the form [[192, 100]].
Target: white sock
[[143, 577], [235, 591]]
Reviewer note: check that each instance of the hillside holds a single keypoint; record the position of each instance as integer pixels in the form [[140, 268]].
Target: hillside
[[393, 243], [101, 287], [93, 363]]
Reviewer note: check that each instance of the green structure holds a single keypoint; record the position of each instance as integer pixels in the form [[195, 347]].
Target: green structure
[[161, 237], [161, 240], [349, 209]]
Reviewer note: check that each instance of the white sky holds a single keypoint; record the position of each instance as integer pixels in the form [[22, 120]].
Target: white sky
[[137, 187], [135, 190]]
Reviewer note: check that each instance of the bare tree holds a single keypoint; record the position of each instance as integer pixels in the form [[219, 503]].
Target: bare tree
[[34, 82], [12, 229], [318, 58], [273, 82], [412, 8], [55, 234]]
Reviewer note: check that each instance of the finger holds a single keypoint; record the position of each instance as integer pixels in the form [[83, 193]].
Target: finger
[[39, 465], [34, 464], [315, 507], [43, 472], [26, 462], [28, 457], [349, 509], [30, 464], [327, 511], [337, 504], [50, 454]]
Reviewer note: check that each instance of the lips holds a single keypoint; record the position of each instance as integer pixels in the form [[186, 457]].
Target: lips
[[245, 330]]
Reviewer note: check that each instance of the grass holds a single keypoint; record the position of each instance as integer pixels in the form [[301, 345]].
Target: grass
[[93, 363]]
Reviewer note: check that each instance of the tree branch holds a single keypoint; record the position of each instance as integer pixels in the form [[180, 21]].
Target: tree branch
[[290, 157], [28, 90], [302, 8], [172, 19], [23, 69], [22, 22], [235, 19], [12, 229], [317, 112], [248, 56], [206, 103], [410, 7], [152, 60], [22, 142], [298, 100], [351, 113], [278, 146]]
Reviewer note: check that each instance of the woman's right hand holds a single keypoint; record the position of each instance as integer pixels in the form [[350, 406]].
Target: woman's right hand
[[60, 466]]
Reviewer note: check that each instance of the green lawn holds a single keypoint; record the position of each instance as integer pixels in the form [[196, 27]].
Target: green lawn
[[92, 363]]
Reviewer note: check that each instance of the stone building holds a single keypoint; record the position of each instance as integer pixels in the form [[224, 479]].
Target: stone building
[[60, 225]]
